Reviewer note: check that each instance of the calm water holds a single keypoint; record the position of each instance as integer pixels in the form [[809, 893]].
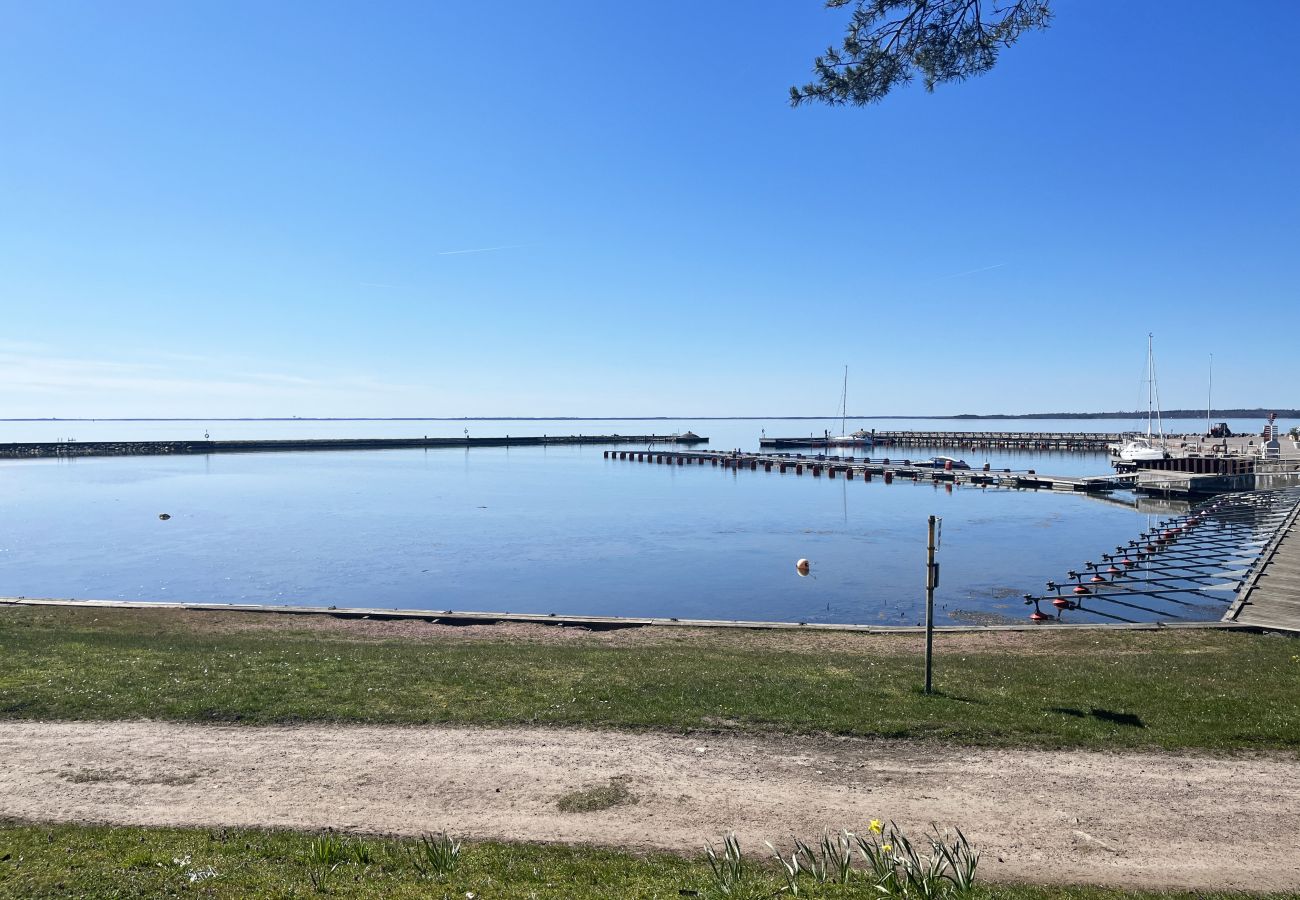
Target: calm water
[[534, 529]]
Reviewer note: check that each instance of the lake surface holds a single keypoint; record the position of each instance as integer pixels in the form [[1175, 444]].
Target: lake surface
[[538, 529]]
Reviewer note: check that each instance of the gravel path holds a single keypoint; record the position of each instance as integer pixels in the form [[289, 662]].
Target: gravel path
[[1131, 819]]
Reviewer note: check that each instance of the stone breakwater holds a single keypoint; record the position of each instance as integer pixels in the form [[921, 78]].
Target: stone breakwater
[[172, 448]]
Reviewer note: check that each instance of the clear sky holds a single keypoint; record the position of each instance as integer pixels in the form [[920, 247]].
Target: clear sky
[[593, 208]]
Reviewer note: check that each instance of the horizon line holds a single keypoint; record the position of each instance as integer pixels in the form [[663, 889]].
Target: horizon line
[[1232, 412]]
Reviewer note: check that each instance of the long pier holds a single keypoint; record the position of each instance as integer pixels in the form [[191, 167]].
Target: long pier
[[850, 467], [165, 448], [1271, 597], [971, 440]]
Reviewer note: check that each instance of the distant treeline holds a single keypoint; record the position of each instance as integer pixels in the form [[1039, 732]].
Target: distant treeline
[[1260, 413], [1142, 414]]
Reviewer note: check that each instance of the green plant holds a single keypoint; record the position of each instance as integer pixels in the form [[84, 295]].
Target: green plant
[[327, 850], [320, 876], [361, 853], [837, 856], [728, 870], [899, 869], [789, 870], [435, 856]]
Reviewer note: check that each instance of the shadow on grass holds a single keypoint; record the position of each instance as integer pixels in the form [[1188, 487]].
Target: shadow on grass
[[1105, 715], [938, 694]]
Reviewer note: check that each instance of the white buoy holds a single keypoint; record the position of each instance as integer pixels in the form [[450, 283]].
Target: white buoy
[[801, 567]]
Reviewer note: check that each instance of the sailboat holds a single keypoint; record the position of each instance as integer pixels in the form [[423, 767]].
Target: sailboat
[[858, 438], [1138, 448]]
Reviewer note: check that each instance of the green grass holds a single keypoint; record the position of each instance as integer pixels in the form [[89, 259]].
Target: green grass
[[91, 861], [1181, 689], [596, 797]]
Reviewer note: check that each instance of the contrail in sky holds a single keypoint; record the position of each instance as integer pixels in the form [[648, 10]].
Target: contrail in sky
[[479, 250], [973, 271]]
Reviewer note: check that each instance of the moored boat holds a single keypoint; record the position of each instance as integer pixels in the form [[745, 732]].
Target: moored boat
[[859, 438], [1138, 448], [942, 462]]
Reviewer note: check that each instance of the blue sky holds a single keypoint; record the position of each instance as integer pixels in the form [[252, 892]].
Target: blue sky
[[243, 208]]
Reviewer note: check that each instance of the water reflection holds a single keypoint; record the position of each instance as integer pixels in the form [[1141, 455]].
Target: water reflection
[[556, 529]]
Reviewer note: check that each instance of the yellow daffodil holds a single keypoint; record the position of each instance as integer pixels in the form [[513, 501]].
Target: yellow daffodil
[[886, 848], [876, 826]]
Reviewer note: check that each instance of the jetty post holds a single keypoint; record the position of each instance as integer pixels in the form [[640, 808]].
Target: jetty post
[[931, 582]]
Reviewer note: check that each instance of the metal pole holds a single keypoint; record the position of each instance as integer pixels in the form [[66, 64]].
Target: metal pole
[[1209, 396], [929, 608]]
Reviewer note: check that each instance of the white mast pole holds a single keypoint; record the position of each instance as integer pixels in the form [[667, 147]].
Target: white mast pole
[[1151, 370], [844, 400], [1155, 390]]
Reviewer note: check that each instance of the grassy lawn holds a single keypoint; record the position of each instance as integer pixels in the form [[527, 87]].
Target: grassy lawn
[[89, 861], [1220, 690]]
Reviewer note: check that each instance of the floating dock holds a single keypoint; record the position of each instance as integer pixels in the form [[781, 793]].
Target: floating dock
[[850, 467], [1229, 552], [166, 448]]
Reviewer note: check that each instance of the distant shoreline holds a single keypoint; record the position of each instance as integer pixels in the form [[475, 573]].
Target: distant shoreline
[[1260, 413]]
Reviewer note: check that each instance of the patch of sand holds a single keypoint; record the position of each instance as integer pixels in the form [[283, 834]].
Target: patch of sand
[[1132, 819]]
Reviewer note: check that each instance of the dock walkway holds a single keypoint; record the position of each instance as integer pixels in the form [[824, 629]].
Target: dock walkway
[[1272, 599]]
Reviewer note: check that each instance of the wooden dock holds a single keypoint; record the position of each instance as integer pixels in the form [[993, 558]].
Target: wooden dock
[[1000, 440], [170, 448], [850, 467], [1271, 598]]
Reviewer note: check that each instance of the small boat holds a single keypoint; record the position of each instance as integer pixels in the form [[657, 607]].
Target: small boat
[[1138, 448], [859, 438], [941, 462]]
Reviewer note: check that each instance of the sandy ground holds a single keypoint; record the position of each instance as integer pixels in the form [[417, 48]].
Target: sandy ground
[[1134, 819]]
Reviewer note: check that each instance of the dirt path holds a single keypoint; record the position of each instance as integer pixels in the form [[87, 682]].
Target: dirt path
[[1125, 819]]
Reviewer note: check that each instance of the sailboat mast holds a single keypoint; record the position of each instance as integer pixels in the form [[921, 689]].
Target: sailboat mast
[[1209, 396], [1151, 369], [844, 400], [1155, 393]]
